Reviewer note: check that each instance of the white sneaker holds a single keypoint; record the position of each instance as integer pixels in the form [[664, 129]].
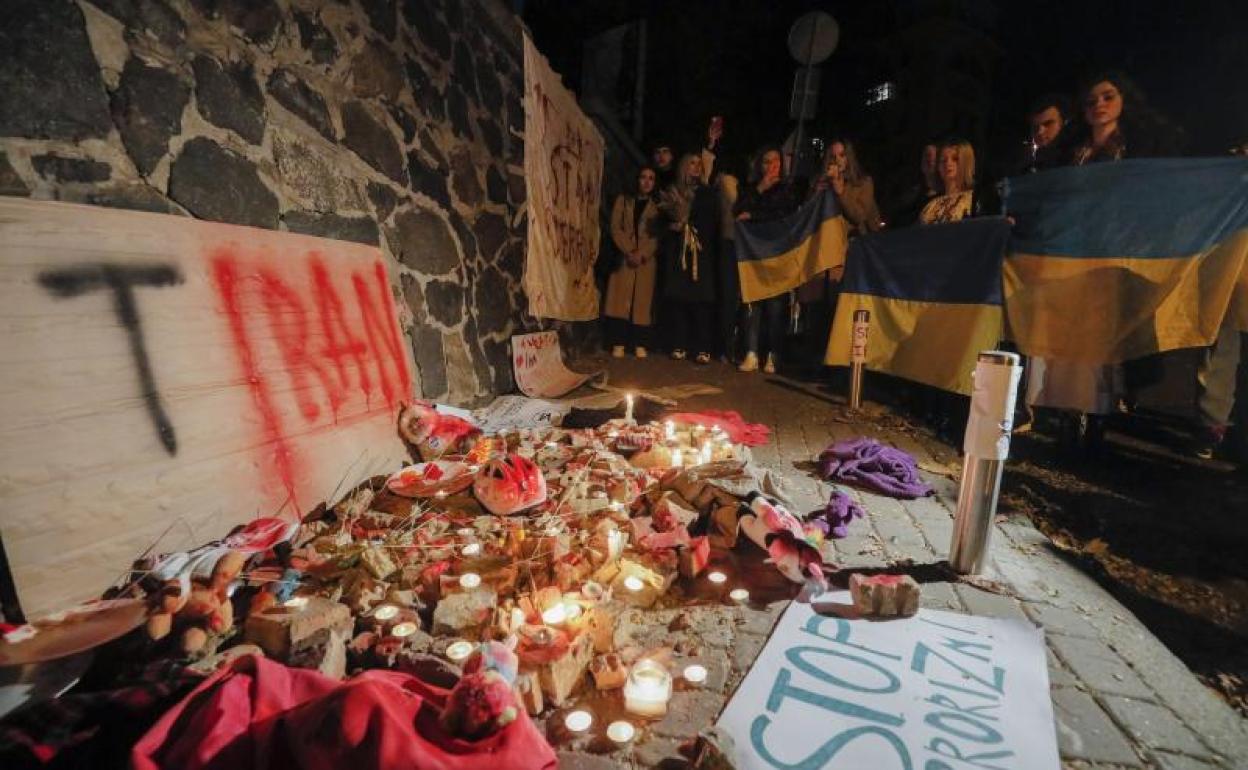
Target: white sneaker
[[617, 351], [770, 366], [639, 351], [750, 364]]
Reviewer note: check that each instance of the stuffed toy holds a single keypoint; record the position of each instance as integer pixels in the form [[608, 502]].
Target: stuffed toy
[[434, 434], [498, 657], [791, 547], [510, 484], [479, 705]]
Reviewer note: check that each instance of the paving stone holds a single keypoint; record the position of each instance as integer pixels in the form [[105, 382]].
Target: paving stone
[[376, 71], [688, 712], [940, 596], [336, 226], [369, 138], [760, 620], [147, 107], [989, 604], [1084, 731], [1059, 674], [1167, 761], [579, 760], [1154, 726], [293, 93], [425, 242], [50, 84], [1099, 667], [1060, 620], [464, 178], [63, 169], [745, 651], [154, 17], [219, 185], [659, 752], [383, 198], [10, 182], [229, 96], [312, 174], [258, 20]]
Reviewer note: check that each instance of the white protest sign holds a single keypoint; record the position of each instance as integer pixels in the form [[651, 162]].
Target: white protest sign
[[938, 691], [514, 412], [538, 363]]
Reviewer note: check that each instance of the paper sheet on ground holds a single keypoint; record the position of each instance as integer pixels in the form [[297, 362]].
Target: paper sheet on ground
[[540, 371], [917, 693]]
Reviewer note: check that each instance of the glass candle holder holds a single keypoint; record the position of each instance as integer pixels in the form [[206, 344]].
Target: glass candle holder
[[648, 689]]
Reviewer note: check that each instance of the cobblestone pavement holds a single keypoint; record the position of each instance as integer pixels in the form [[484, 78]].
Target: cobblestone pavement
[[1120, 698]]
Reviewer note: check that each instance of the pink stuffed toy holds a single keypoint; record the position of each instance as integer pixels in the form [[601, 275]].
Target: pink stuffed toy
[[509, 485], [480, 704]]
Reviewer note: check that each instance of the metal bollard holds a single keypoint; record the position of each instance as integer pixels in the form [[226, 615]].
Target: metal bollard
[[858, 355], [986, 445]]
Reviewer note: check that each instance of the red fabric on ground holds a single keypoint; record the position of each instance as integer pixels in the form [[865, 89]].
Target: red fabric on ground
[[740, 431], [260, 714]]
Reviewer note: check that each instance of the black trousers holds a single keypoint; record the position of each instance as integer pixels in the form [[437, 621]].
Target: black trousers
[[621, 331], [729, 314], [691, 326]]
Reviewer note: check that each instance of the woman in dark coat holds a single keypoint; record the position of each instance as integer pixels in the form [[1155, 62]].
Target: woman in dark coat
[[766, 198], [688, 256]]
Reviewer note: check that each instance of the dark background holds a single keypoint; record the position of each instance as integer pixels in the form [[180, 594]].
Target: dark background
[[961, 67]]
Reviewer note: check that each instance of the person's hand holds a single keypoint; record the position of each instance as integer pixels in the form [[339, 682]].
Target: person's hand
[[838, 185], [743, 216], [714, 131]]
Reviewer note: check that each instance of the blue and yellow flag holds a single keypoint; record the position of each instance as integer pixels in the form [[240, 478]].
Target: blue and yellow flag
[[934, 294], [1114, 261], [775, 257]]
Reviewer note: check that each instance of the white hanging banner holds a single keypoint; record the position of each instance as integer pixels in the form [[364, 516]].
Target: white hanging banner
[[563, 154], [937, 690]]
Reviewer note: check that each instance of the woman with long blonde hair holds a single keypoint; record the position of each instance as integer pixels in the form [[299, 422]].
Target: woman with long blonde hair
[[955, 167]]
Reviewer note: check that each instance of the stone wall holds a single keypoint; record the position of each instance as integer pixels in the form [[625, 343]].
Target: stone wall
[[390, 122]]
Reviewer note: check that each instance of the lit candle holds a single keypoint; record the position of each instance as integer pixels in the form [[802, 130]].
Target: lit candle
[[578, 721], [648, 689], [469, 580], [552, 444], [628, 407], [633, 583], [695, 674], [718, 578], [677, 460], [591, 590], [386, 612], [613, 434], [555, 615], [440, 494], [705, 455], [669, 430], [473, 469], [403, 630], [472, 549], [466, 532], [615, 543], [621, 732], [571, 610], [739, 595], [297, 603], [458, 652]]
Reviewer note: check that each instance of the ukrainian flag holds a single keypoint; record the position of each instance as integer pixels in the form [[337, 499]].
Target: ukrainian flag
[[775, 257], [1113, 261], [934, 294]]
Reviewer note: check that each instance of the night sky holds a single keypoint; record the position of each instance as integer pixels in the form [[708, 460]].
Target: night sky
[[963, 67]]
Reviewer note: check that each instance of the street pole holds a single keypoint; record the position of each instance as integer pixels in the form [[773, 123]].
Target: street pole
[[799, 137], [986, 446], [858, 355]]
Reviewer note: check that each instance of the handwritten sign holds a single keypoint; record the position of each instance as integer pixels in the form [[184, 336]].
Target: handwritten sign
[[938, 691], [563, 175], [538, 364], [164, 375]]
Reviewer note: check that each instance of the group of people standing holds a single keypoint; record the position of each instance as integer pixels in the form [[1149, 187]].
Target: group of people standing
[[674, 237]]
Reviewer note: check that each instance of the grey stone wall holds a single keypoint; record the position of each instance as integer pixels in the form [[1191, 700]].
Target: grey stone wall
[[391, 122]]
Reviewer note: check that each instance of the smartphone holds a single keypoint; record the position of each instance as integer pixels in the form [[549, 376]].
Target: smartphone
[[717, 123]]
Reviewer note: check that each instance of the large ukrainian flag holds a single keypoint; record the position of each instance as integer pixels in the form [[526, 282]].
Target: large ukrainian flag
[[1114, 261], [934, 294], [775, 257]]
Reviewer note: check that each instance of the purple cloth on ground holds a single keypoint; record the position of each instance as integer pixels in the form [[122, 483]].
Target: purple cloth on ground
[[868, 463], [833, 520]]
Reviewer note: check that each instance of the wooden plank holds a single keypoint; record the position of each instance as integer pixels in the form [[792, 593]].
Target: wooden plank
[[157, 369]]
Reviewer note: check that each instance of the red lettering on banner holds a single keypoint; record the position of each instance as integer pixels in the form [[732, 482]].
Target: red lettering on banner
[[325, 349]]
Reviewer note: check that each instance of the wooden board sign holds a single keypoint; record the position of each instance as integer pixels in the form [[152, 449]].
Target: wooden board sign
[[160, 374]]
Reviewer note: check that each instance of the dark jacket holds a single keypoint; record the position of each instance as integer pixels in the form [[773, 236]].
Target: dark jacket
[[677, 274], [776, 202]]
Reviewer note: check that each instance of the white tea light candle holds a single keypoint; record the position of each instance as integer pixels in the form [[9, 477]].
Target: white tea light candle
[[633, 583], [469, 580], [403, 630], [555, 615], [472, 549], [578, 721], [718, 578], [695, 674], [457, 652], [739, 595], [386, 612], [621, 732]]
